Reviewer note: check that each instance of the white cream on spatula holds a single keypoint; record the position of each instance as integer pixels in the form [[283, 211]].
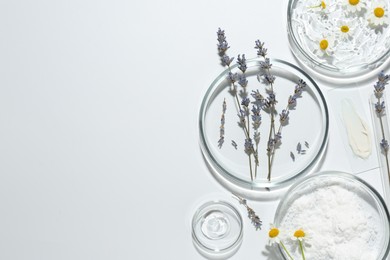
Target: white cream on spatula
[[359, 136]]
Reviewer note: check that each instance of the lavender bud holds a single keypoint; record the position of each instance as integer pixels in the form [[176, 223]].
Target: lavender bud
[[226, 60], [265, 65], [284, 115], [242, 80], [380, 107], [384, 145], [245, 102], [261, 51], [242, 63]]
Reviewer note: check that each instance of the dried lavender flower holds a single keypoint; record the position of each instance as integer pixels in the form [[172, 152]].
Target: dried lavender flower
[[241, 61], [292, 156], [292, 101], [284, 116], [222, 127], [256, 117], [271, 144], [221, 140], [261, 51], [299, 88], [259, 99], [299, 148], [278, 136], [379, 88], [233, 77], [226, 60], [380, 107], [248, 146], [380, 85], [268, 78], [271, 99], [242, 80], [222, 43], [384, 146], [234, 144], [383, 78], [255, 220], [242, 116], [265, 65], [245, 102]]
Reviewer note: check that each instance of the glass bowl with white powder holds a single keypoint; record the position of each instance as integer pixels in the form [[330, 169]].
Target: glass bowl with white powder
[[341, 215], [340, 39]]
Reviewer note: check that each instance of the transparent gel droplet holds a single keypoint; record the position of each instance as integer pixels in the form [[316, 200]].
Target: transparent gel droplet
[[215, 225]]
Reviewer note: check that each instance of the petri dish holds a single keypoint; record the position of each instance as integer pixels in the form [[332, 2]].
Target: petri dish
[[338, 206], [217, 230], [340, 41], [307, 127]]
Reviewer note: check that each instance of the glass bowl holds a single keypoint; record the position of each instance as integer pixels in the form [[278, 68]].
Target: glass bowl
[[217, 230], [307, 127], [355, 48], [342, 216]]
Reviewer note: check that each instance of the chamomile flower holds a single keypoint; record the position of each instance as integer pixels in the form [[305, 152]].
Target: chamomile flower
[[378, 14], [321, 8], [344, 30], [353, 6], [299, 234], [322, 5], [325, 46], [273, 235]]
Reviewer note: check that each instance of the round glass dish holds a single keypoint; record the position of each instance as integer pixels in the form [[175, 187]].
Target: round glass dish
[[339, 40], [307, 127], [217, 230], [342, 217]]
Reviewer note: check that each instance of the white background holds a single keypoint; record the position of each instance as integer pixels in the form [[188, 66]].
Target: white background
[[99, 101]]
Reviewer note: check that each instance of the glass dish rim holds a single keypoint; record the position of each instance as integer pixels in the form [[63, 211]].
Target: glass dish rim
[[248, 185], [236, 242], [341, 175], [358, 73]]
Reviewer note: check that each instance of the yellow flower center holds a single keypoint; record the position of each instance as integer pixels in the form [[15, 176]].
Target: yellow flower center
[[353, 2], [344, 28], [379, 12], [299, 233], [323, 5], [324, 44], [274, 232]]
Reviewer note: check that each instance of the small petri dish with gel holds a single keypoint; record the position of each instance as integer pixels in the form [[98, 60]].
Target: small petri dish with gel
[[217, 230]]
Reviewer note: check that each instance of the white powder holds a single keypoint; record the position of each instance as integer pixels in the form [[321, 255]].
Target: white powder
[[338, 221]]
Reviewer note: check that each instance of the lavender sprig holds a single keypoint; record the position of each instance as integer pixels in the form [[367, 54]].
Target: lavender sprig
[[255, 220], [379, 88], [243, 115], [222, 127], [269, 79], [283, 120]]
